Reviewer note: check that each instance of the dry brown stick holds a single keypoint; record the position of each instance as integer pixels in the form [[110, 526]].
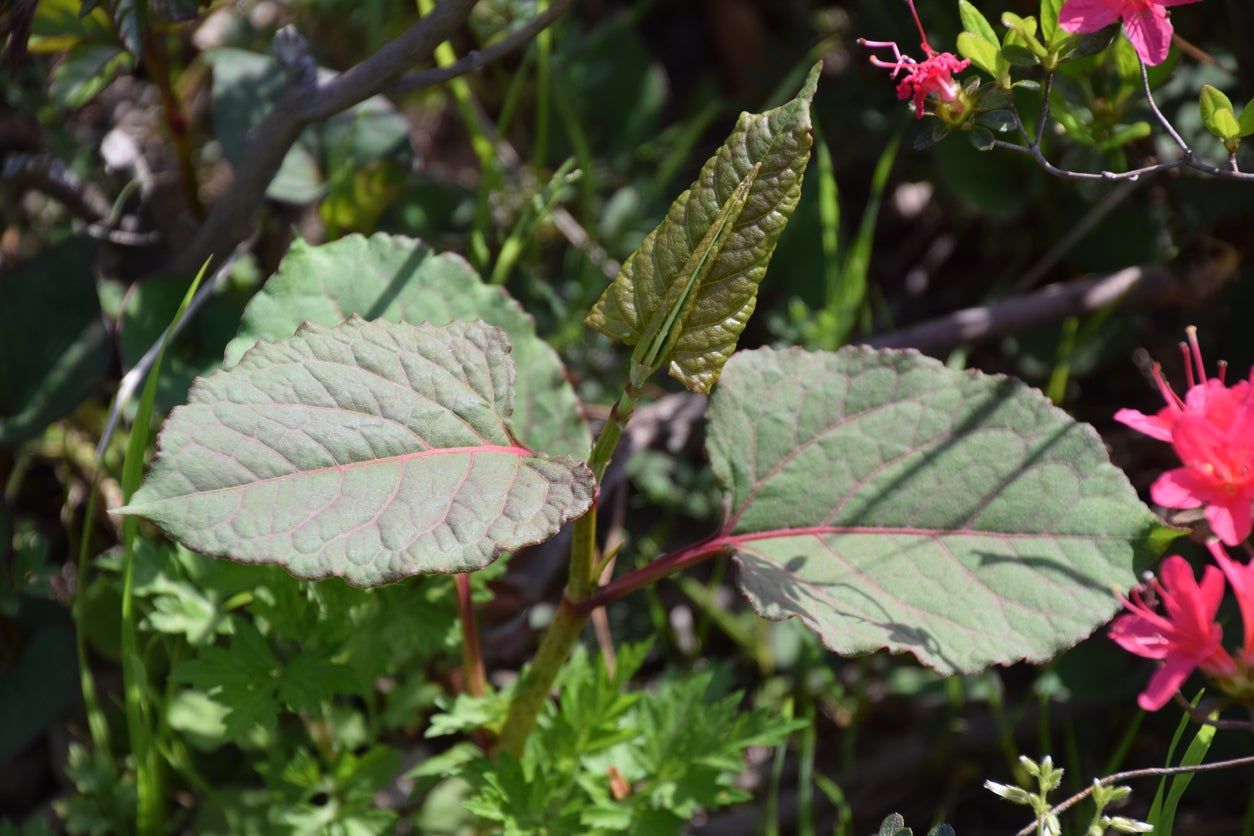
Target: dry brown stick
[[478, 59], [1049, 304], [307, 100]]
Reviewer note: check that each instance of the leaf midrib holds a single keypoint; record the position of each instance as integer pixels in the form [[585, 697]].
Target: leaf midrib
[[403, 458]]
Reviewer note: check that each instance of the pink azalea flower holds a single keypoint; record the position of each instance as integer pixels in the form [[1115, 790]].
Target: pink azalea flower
[[1145, 22], [1184, 637], [1201, 395], [1212, 430], [931, 77], [1217, 450], [1241, 579]]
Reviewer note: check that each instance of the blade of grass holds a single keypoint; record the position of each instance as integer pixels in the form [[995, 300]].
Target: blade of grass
[[1115, 764], [1157, 806], [844, 811], [529, 219], [771, 826], [544, 93], [150, 794], [1195, 754], [829, 213], [1056, 390], [97, 723], [485, 150], [563, 97], [805, 775], [846, 305]]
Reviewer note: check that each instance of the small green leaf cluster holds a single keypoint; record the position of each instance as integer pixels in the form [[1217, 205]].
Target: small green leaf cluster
[[895, 825], [104, 796], [1027, 41], [1092, 84], [607, 759], [1221, 119], [272, 682]]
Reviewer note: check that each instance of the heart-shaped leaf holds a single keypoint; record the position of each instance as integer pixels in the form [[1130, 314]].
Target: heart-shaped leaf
[[371, 451], [888, 501], [403, 280], [713, 278]]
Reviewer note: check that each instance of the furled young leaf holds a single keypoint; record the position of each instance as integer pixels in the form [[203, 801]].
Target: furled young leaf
[[403, 280], [372, 451], [888, 501], [1217, 113], [724, 271]]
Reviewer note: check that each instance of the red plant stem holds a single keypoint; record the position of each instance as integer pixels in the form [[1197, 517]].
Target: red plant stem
[[175, 120], [472, 657], [653, 572]]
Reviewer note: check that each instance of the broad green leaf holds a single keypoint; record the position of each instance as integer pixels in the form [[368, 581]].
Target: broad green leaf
[[372, 451], [85, 71], [887, 501], [1162, 813], [403, 280], [51, 336], [974, 21], [983, 54], [655, 277], [1049, 21]]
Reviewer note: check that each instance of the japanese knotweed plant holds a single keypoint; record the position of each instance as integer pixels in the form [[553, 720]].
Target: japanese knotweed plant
[[384, 413]]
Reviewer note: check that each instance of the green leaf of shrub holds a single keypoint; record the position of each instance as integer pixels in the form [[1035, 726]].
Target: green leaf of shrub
[[652, 280], [974, 21], [372, 451], [983, 54], [403, 280], [887, 501], [52, 336]]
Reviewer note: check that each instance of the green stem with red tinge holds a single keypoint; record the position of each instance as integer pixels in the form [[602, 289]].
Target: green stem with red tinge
[[568, 621]]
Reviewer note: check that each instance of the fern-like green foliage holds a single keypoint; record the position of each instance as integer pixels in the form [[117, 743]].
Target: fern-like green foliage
[[608, 760]]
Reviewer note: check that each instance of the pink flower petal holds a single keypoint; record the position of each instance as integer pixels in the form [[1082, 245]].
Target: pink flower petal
[[1231, 520], [1241, 579], [1084, 16], [1198, 442], [1155, 426], [1165, 682], [1180, 488], [1150, 33], [1139, 637]]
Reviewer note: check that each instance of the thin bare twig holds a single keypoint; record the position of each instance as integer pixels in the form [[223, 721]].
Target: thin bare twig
[[54, 178], [1132, 775], [1201, 716], [1188, 158], [307, 100], [478, 59], [1158, 114]]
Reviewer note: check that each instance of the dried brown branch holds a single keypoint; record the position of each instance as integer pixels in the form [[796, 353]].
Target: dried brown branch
[[307, 100]]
